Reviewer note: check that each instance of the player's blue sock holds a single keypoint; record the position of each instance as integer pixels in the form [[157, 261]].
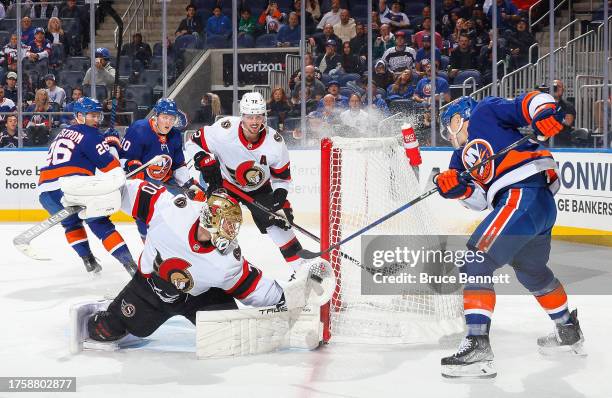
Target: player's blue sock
[[77, 238], [116, 246]]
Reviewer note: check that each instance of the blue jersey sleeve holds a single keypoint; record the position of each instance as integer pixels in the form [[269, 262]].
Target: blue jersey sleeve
[[455, 162]]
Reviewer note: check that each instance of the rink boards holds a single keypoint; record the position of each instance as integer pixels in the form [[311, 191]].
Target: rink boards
[[584, 202]]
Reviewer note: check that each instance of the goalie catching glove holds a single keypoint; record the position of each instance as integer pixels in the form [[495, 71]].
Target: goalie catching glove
[[210, 168], [99, 194], [451, 185]]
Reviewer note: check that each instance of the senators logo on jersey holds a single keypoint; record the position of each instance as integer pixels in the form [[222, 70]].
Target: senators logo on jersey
[[248, 174], [475, 152], [174, 270]]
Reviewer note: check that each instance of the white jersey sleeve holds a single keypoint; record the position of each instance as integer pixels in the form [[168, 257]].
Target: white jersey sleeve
[[140, 199], [247, 284], [280, 170]]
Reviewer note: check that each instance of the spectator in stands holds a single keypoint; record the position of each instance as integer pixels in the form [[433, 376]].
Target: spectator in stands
[[315, 90], [345, 29], [79, 40], [417, 22], [417, 39], [478, 13], [402, 88], [9, 52], [6, 105], [319, 40], [375, 24], [422, 93], [519, 43], [248, 23], [382, 76], [359, 43], [69, 10], [190, 25], [289, 35], [400, 57], [43, 10], [9, 137], [481, 37], [107, 107], [67, 120], [312, 6], [331, 17], [10, 89], [351, 63], [38, 125], [271, 18], [308, 60], [425, 53], [330, 60], [569, 135], [333, 89], [27, 30], [383, 42], [444, 20], [486, 58], [40, 48], [310, 22], [138, 49], [105, 73], [355, 117], [507, 14], [395, 17], [55, 93], [379, 105], [210, 108], [279, 105], [327, 116], [218, 24], [468, 7], [463, 57], [55, 34]]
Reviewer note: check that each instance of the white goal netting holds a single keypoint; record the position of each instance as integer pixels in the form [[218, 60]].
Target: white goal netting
[[362, 180]]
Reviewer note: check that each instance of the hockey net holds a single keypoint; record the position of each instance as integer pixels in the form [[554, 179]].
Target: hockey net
[[361, 180]]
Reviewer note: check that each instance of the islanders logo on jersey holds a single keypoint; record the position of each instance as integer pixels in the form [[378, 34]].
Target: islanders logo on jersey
[[160, 170], [475, 152], [248, 174]]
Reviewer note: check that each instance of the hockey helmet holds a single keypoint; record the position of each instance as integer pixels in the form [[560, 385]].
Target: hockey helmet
[[252, 104], [168, 106], [221, 215], [87, 105], [102, 52], [463, 106]]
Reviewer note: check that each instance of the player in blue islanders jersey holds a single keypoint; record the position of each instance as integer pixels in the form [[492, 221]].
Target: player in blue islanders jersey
[[147, 138], [518, 188], [245, 155], [80, 150]]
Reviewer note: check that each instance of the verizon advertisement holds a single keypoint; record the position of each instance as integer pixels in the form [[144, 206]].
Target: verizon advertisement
[[253, 67]]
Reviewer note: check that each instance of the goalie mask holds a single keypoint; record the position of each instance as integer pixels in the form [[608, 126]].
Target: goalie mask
[[221, 216]]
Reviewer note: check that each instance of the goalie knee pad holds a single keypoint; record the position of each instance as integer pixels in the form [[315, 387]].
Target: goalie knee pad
[[104, 326]]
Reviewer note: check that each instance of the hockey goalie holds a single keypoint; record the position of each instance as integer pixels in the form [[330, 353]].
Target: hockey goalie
[[192, 263]]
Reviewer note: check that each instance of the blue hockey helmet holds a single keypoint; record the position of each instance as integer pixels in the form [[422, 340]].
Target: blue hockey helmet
[[462, 106], [102, 52], [168, 106], [87, 105]]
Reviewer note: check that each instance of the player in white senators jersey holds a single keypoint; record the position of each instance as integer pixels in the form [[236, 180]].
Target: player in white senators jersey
[[191, 262], [246, 156]]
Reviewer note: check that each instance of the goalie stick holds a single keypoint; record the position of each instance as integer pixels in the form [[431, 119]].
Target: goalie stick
[[307, 254], [23, 240]]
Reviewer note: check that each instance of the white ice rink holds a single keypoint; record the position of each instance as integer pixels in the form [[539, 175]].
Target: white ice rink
[[35, 297]]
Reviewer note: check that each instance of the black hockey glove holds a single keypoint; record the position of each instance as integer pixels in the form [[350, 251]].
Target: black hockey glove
[[278, 201], [210, 169]]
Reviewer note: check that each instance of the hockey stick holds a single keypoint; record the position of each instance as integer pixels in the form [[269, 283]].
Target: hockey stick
[[249, 199], [23, 240], [107, 7], [467, 173]]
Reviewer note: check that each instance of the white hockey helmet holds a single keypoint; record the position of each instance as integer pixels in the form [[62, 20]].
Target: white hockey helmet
[[252, 104]]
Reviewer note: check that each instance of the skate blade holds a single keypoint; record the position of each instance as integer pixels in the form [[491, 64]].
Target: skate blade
[[564, 350], [478, 370]]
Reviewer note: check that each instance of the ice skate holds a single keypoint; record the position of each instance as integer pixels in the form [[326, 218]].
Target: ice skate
[[474, 359], [567, 338]]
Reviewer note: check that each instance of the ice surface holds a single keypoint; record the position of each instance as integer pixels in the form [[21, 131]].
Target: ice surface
[[35, 298]]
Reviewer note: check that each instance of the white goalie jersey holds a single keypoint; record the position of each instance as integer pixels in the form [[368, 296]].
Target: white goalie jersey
[[246, 165], [172, 251]]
